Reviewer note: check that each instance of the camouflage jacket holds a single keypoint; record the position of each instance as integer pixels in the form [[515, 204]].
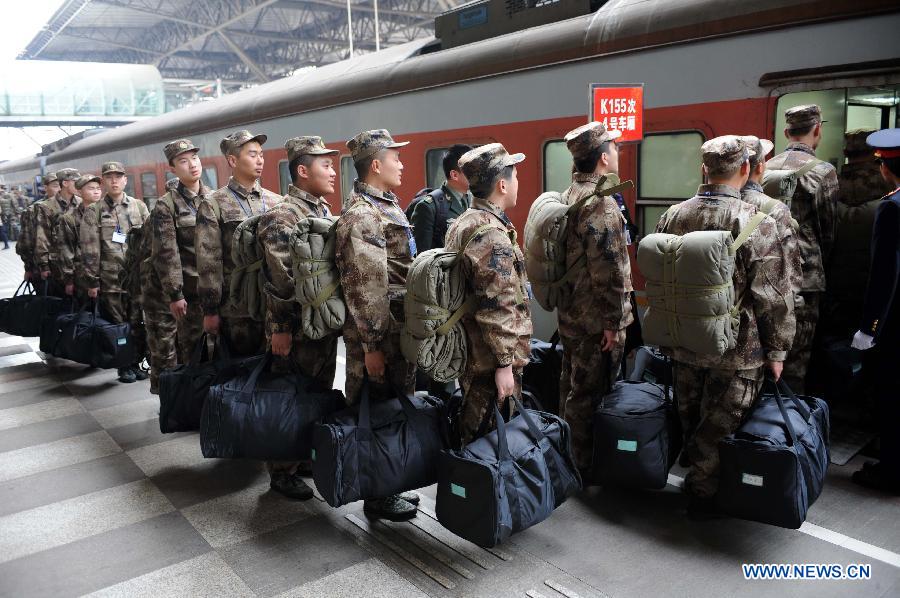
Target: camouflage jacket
[[67, 246], [374, 249], [7, 208], [761, 278], [813, 207], [25, 244], [861, 182], [499, 329], [102, 256], [172, 243], [600, 297], [274, 237], [753, 194], [217, 218], [46, 218]]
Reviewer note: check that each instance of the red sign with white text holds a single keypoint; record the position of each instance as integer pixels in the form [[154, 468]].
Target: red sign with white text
[[619, 108]]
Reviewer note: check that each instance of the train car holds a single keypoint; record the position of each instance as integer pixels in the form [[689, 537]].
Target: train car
[[709, 67]]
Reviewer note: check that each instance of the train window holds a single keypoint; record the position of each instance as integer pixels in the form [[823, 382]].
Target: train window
[[434, 167], [847, 109], [669, 172], [210, 177], [148, 185], [129, 187], [284, 176], [557, 166], [348, 175]]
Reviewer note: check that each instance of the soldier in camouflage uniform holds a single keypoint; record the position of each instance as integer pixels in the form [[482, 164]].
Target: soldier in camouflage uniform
[[46, 219], [311, 166], [373, 251], [90, 188], [174, 258], [25, 245], [861, 187], [103, 235], [592, 324], [813, 207], [499, 329], [218, 217], [7, 213], [753, 194], [714, 392]]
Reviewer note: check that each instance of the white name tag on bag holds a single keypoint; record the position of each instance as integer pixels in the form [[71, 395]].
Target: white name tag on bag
[[118, 237]]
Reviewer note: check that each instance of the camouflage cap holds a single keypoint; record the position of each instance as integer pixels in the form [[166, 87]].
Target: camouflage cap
[[230, 144], [112, 167], [306, 146], [855, 143], [178, 147], [722, 155], [48, 178], [801, 117], [584, 139], [67, 174], [368, 143], [760, 147], [485, 163], [87, 178]]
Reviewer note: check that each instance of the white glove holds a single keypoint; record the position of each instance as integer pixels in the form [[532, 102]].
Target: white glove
[[862, 341]]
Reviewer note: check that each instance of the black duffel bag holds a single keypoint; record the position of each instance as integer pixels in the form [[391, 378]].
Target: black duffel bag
[[260, 414], [773, 468], [50, 323], [541, 375], [637, 435], [183, 389], [378, 448], [23, 313], [85, 337], [509, 479]]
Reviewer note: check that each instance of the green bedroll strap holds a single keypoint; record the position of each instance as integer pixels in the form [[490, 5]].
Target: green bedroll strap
[[469, 305], [325, 294], [808, 167], [747, 231]]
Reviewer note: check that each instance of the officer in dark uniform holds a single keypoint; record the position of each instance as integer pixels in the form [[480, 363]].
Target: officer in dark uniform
[[879, 332]]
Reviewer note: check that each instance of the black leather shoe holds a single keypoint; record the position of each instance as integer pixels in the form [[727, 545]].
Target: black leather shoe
[[139, 373], [291, 486], [126, 375], [410, 497], [872, 475], [392, 508]]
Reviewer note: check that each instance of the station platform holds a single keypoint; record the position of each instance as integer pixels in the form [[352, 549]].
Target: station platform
[[95, 501]]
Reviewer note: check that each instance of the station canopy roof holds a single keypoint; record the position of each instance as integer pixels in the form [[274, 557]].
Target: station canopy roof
[[238, 42]]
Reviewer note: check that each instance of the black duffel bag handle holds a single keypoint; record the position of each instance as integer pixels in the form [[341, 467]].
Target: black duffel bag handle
[[364, 419], [804, 410], [250, 386], [29, 288], [502, 446], [200, 354]]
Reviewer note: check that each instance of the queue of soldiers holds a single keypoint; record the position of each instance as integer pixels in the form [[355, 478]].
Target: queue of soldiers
[[82, 228]]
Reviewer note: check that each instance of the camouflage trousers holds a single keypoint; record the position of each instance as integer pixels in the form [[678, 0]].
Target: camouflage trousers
[[246, 337], [162, 332], [190, 329], [316, 359], [797, 362], [402, 373], [118, 308], [711, 404], [476, 417], [587, 372]]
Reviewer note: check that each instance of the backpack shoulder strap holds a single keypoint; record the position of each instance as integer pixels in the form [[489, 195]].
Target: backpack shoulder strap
[[807, 167], [747, 231]]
